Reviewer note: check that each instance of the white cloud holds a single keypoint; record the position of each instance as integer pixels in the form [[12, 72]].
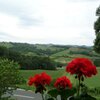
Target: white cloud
[[48, 21]]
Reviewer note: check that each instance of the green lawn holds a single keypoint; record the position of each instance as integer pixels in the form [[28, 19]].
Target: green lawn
[[94, 81], [53, 73], [90, 82], [27, 73]]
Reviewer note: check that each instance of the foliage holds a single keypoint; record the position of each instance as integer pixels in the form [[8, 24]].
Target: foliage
[[28, 62], [37, 49], [96, 61], [37, 62], [94, 91], [9, 76], [81, 51], [97, 31], [41, 56], [41, 49], [97, 43], [63, 93]]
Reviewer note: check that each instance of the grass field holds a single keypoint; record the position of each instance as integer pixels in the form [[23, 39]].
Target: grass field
[[27, 73], [93, 82]]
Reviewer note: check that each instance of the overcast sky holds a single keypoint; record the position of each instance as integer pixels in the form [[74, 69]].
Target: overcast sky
[[48, 21]]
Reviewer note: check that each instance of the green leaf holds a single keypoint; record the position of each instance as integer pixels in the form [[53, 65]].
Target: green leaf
[[67, 93], [53, 92], [63, 93], [87, 97], [48, 97]]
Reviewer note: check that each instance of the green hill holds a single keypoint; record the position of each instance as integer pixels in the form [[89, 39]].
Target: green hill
[[50, 49], [59, 53], [34, 49], [67, 55]]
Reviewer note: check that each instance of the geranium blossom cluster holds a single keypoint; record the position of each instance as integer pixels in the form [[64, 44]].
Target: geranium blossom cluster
[[81, 67], [62, 83], [40, 79]]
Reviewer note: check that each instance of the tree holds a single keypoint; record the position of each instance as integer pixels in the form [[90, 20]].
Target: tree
[[97, 32], [3, 51], [9, 76]]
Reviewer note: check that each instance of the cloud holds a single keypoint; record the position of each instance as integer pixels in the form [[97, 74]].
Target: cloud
[[6, 37], [48, 21], [22, 10], [76, 1]]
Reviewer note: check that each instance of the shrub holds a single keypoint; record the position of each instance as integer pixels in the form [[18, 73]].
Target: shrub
[[97, 62], [9, 76]]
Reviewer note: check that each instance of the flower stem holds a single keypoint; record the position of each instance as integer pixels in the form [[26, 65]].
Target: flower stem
[[42, 96], [78, 92], [62, 98]]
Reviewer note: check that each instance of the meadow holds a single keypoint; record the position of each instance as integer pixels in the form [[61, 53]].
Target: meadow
[[92, 83], [28, 73]]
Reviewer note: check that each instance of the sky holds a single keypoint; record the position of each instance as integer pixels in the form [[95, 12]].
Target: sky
[[66, 22]]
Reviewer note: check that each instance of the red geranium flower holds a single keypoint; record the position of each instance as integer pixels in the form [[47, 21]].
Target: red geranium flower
[[62, 83], [40, 79], [81, 66], [31, 80]]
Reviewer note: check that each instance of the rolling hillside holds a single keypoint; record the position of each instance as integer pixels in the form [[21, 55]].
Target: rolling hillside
[[67, 55], [34, 49], [59, 53]]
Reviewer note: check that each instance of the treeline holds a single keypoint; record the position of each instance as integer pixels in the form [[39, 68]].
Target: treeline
[[83, 52], [41, 49], [25, 48], [28, 62]]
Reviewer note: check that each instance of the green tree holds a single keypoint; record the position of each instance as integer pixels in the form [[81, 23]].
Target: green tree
[[9, 76], [97, 32], [3, 51]]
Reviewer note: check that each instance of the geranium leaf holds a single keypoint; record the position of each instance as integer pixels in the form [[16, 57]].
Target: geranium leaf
[[63, 93], [48, 97], [53, 92], [67, 93], [87, 97]]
